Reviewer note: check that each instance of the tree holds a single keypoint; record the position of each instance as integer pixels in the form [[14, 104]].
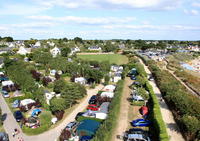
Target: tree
[[57, 104], [78, 40], [143, 93], [8, 39], [59, 85], [65, 51], [107, 79]]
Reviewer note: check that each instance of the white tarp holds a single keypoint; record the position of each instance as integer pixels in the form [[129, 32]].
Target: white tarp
[[100, 115], [107, 94], [27, 101], [109, 88], [7, 83]]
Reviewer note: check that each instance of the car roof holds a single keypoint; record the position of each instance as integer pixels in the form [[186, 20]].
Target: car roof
[[71, 124]]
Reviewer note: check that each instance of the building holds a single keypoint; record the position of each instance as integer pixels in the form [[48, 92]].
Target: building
[[23, 51], [94, 48], [55, 51], [80, 80], [74, 50]]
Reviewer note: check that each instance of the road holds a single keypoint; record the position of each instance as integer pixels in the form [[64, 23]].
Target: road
[[172, 128], [10, 124], [122, 122]]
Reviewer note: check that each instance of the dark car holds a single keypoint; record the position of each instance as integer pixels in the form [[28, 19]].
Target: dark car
[[133, 77], [4, 136], [140, 123], [93, 100], [78, 115], [71, 125], [18, 116]]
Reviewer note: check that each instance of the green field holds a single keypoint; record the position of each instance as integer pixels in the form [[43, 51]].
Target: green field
[[112, 58]]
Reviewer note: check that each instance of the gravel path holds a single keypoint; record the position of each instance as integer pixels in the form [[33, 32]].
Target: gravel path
[[172, 128], [51, 135], [124, 109]]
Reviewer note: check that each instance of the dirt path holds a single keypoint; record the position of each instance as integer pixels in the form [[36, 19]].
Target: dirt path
[[124, 109], [51, 135], [172, 128]]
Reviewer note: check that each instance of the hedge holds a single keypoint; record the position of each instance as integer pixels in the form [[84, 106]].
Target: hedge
[[158, 123], [104, 133]]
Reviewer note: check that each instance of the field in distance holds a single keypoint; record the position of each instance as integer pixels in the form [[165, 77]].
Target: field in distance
[[112, 58]]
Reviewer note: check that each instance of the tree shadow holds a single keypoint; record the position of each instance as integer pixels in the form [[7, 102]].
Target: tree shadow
[[173, 127]]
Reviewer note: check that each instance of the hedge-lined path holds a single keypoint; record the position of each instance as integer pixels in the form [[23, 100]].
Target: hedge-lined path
[[172, 128], [122, 121], [51, 135]]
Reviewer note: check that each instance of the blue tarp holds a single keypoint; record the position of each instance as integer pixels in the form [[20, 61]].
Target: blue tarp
[[87, 128], [36, 112]]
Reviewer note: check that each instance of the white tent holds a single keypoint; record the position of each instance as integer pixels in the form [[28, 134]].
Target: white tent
[[27, 101], [109, 88], [101, 115], [107, 94], [7, 83]]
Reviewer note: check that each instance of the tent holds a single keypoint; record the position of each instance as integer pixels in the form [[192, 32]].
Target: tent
[[107, 94], [109, 88], [7, 83], [87, 128], [26, 102], [36, 112]]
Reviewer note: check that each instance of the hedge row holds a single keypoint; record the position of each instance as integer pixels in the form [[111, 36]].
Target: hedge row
[[183, 104], [159, 126], [104, 133]]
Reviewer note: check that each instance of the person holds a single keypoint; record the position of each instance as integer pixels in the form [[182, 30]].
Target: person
[[16, 131]]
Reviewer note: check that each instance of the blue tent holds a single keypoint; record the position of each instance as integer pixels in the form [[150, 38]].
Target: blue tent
[[36, 112], [87, 128]]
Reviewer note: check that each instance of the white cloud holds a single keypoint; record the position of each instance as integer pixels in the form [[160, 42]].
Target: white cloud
[[196, 4], [191, 12], [113, 4], [84, 20]]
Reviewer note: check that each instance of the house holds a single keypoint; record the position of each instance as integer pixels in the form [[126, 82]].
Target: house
[[5, 50], [23, 51], [11, 45], [80, 80], [26, 102], [94, 48], [55, 51], [7, 83], [49, 96], [37, 44], [51, 43], [87, 128], [74, 50], [117, 76], [122, 46]]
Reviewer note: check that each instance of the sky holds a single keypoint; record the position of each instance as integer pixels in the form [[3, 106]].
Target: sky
[[101, 19]]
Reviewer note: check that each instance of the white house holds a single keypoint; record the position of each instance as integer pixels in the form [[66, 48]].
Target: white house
[[109, 88], [117, 77], [11, 45], [37, 44], [23, 51], [94, 48], [51, 43], [55, 51], [80, 80], [7, 83], [74, 50]]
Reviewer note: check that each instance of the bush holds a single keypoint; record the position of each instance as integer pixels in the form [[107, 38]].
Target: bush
[[59, 114], [81, 118]]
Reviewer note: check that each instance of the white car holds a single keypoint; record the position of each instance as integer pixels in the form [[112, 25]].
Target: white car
[[137, 98], [136, 137]]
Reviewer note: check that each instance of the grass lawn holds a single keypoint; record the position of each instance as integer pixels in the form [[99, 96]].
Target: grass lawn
[[1, 128], [112, 58], [45, 121]]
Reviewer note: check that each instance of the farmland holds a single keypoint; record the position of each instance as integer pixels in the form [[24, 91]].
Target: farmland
[[112, 58]]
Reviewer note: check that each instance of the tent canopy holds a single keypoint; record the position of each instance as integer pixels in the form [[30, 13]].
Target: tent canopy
[[87, 128]]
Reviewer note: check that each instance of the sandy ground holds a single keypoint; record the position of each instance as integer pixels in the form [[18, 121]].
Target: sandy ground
[[122, 121], [172, 128], [51, 135]]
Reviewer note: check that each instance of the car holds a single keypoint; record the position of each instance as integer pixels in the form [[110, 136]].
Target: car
[[18, 115], [93, 100], [133, 77], [71, 125], [137, 98], [78, 115], [135, 131], [93, 107], [140, 123], [150, 78], [136, 137], [5, 94], [4, 136], [16, 104]]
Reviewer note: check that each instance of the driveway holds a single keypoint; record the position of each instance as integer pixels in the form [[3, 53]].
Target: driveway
[[52, 135]]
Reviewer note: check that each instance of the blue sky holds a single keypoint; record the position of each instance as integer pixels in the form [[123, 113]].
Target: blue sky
[[101, 19]]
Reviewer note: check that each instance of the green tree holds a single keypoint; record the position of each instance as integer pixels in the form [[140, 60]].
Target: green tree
[[57, 104], [65, 51], [78, 40], [59, 85]]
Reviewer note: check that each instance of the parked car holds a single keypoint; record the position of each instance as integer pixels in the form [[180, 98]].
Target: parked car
[[151, 78], [78, 115], [71, 125], [140, 123], [93, 107], [137, 98], [135, 131], [16, 104], [133, 77], [93, 100], [136, 137], [5, 94], [18, 116], [4, 136]]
